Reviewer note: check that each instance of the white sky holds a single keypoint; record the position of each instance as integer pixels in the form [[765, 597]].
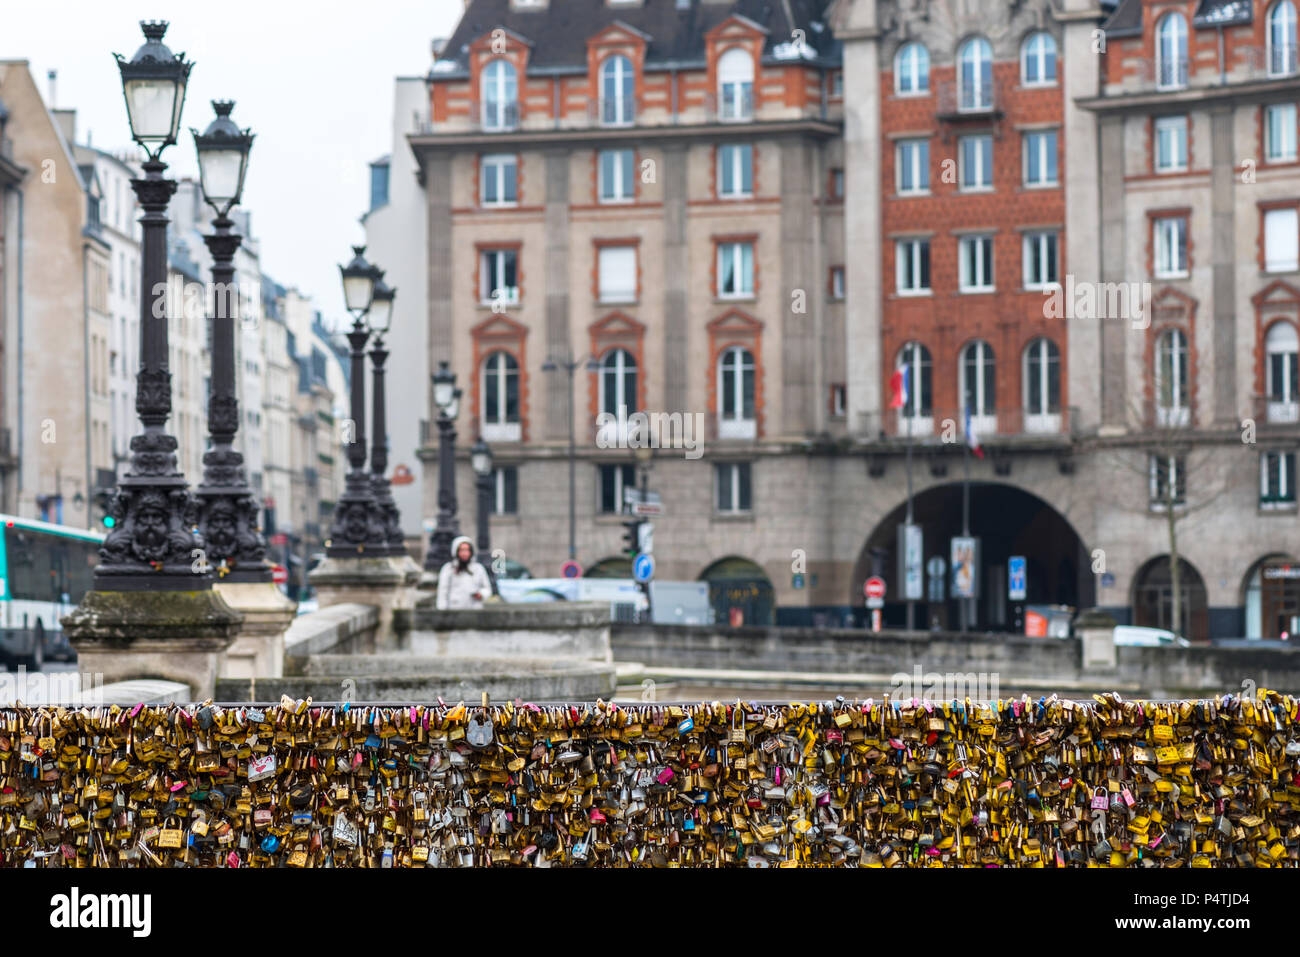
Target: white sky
[[314, 80]]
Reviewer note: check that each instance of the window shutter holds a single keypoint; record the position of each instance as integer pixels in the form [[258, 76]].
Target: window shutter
[[618, 274], [1281, 240]]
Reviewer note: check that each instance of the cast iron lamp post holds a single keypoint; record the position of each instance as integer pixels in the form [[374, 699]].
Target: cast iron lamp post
[[228, 518], [480, 459], [154, 543], [571, 365], [355, 529], [380, 320], [447, 398]]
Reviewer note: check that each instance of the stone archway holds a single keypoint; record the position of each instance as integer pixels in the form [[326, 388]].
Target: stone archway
[[1008, 521], [740, 592], [1152, 599], [1270, 596]]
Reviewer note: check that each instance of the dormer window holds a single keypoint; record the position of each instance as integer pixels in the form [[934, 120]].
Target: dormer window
[[736, 85], [617, 92], [1171, 52], [500, 87]]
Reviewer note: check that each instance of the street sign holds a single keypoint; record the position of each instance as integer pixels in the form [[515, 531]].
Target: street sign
[[279, 538], [874, 589], [647, 508], [965, 563], [643, 568], [1017, 585], [1107, 580], [796, 581], [279, 574], [645, 538], [909, 561], [571, 569], [632, 496]]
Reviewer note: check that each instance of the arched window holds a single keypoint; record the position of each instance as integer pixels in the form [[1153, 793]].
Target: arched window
[[618, 382], [1282, 373], [616, 91], [912, 69], [1171, 51], [1038, 60], [1041, 385], [1281, 39], [977, 379], [501, 397], [736, 417], [975, 74], [500, 92], [736, 85], [1173, 394], [914, 358]]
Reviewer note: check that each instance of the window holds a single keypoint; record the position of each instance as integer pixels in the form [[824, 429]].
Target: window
[[618, 383], [736, 85], [613, 480], [837, 282], [1168, 481], [499, 276], [1277, 480], [1279, 132], [1282, 372], [1171, 51], [1040, 158], [839, 399], [1171, 379], [500, 96], [1171, 144], [501, 397], [616, 271], [837, 184], [912, 266], [617, 183], [733, 484], [505, 490], [1281, 240], [912, 158], [975, 75], [499, 175], [1038, 60], [976, 261], [915, 359], [735, 270], [975, 156], [1281, 39], [735, 171], [912, 70], [736, 394], [1041, 378], [1171, 246], [1041, 263], [617, 91], [977, 381]]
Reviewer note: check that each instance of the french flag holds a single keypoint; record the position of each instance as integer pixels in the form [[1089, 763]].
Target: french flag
[[971, 438], [898, 385]]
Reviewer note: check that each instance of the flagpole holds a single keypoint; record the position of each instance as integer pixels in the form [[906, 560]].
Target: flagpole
[[911, 605], [966, 616]]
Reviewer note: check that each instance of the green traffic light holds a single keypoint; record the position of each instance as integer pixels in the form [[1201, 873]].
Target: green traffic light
[[109, 521]]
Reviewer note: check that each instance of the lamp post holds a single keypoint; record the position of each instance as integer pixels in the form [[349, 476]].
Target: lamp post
[[354, 528], [154, 542], [228, 513], [571, 365], [380, 320], [447, 398], [480, 459]]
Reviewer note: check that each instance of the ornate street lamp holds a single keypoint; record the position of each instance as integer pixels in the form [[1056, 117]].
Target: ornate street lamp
[[380, 320], [228, 512], [154, 543], [447, 398], [571, 365], [480, 460], [355, 528]]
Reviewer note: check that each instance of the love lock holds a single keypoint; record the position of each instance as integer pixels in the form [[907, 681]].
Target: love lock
[[479, 732]]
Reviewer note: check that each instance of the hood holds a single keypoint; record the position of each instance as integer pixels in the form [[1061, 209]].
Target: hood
[[455, 546]]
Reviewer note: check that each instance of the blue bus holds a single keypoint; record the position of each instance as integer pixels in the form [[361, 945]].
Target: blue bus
[[45, 569]]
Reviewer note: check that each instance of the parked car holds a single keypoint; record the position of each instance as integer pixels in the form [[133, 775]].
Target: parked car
[[1135, 636]]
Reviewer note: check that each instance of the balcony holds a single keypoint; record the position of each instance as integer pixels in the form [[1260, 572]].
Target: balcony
[[1008, 427], [1272, 410], [733, 107], [616, 111], [956, 102], [1269, 62], [493, 116]]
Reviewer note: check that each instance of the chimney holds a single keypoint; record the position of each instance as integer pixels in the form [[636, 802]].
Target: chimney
[[66, 121], [53, 77]]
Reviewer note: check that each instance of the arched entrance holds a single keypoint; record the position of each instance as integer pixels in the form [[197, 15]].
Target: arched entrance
[[1007, 521], [739, 592], [1271, 597], [615, 567], [1153, 603]]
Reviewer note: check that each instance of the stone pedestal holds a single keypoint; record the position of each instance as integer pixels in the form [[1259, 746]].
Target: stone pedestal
[[1096, 632], [381, 582], [258, 652], [177, 635]]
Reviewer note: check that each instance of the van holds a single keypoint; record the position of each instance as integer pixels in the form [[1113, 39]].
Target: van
[[1137, 637]]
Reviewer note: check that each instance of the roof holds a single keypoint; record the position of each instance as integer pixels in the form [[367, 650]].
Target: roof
[[558, 36], [1126, 20]]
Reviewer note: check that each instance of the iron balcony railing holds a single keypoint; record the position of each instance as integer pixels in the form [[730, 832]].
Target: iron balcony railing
[[949, 425], [735, 106], [495, 116], [1277, 410], [612, 111], [955, 100]]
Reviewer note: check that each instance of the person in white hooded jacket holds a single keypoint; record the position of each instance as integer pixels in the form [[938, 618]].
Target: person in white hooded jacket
[[463, 582]]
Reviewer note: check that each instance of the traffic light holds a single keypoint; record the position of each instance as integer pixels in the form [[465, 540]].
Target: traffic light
[[104, 502], [631, 538]]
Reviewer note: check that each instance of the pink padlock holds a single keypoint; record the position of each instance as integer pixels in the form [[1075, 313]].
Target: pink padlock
[[1099, 800], [596, 816], [665, 775]]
